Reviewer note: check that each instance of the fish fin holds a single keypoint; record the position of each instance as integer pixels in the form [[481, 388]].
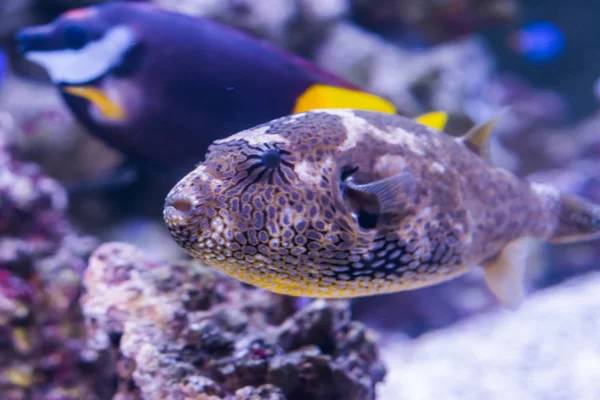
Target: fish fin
[[504, 273], [325, 96], [578, 220], [391, 192], [477, 139], [435, 119]]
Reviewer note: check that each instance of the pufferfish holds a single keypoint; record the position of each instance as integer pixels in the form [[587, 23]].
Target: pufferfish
[[346, 203]]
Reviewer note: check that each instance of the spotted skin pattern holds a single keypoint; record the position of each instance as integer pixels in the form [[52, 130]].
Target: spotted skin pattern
[[285, 224]]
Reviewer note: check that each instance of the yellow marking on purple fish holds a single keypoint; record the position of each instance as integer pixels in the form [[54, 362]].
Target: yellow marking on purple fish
[[109, 108], [435, 119], [323, 96]]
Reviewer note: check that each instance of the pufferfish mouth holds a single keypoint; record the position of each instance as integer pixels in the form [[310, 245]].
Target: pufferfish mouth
[[184, 202], [178, 206], [179, 214], [179, 209]]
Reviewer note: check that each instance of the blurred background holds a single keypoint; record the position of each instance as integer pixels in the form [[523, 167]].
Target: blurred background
[[467, 57]]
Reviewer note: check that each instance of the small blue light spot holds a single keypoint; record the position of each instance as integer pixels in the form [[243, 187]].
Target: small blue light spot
[[3, 67], [538, 41]]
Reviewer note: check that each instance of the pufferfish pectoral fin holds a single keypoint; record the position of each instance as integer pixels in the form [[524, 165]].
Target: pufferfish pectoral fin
[[504, 274], [391, 192]]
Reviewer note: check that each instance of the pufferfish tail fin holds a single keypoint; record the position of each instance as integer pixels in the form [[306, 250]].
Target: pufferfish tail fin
[[578, 220]]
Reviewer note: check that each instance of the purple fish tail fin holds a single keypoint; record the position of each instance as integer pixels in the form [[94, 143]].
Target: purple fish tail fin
[[578, 220]]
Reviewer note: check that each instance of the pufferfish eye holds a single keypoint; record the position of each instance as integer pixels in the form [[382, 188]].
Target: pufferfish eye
[[75, 37], [271, 158], [266, 165]]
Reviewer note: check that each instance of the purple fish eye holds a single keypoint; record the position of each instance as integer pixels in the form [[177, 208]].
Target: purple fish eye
[[271, 158]]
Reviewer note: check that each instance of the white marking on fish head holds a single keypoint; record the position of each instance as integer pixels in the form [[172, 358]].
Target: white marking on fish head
[[91, 62]]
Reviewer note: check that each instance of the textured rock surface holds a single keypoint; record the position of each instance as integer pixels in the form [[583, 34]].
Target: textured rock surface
[[295, 24], [41, 261], [453, 77], [181, 330], [548, 350]]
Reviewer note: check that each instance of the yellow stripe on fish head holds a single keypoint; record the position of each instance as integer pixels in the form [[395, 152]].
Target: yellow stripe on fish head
[[109, 108]]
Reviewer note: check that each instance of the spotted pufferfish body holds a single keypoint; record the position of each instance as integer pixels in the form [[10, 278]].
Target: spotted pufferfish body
[[345, 203]]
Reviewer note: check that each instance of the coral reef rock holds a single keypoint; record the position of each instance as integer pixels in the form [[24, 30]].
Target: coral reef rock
[[294, 24], [182, 330], [545, 350], [42, 352], [453, 77]]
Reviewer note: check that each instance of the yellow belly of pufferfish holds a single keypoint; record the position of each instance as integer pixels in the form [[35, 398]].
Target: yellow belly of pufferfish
[[297, 285]]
